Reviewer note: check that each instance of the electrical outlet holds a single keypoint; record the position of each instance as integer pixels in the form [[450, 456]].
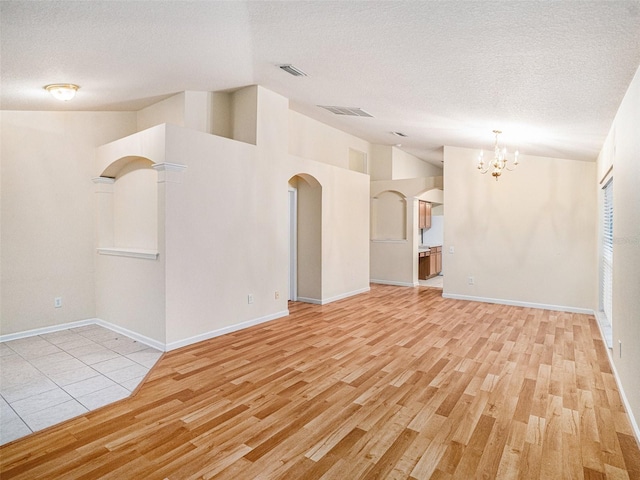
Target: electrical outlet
[[277, 295], [250, 298], [451, 249], [57, 302], [470, 280]]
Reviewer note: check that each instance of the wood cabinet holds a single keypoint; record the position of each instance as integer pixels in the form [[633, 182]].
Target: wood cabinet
[[438, 256], [424, 214], [423, 265], [429, 263]]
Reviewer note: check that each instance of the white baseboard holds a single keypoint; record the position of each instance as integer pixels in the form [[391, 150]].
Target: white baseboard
[[324, 301], [142, 338], [516, 303], [396, 284], [131, 334], [224, 330], [41, 331], [315, 301], [81, 323], [345, 295], [623, 396]]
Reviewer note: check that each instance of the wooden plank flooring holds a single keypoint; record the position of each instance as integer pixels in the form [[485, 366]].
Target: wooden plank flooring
[[393, 384]]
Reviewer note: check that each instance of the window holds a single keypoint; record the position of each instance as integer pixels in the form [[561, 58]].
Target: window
[[606, 279]]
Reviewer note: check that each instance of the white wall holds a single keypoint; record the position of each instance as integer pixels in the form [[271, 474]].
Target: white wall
[[530, 237], [434, 236], [48, 215], [622, 150]]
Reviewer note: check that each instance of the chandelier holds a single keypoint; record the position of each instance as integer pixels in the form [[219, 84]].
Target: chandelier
[[499, 162]]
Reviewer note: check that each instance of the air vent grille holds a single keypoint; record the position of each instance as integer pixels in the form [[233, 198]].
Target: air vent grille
[[349, 111], [296, 72]]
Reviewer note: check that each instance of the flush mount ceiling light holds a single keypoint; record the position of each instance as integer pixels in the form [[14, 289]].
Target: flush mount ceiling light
[[296, 72], [499, 162], [62, 91]]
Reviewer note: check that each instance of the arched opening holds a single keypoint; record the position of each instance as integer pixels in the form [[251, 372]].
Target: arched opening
[[389, 216], [129, 216], [431, 240], [305, 214]]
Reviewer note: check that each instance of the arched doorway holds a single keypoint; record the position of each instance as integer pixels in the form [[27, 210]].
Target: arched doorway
[[305, 239]]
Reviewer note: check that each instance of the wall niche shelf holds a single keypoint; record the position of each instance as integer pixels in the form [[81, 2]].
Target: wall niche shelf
[[129, 252]]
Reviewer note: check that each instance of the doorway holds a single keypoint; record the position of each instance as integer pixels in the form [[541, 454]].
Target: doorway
[[293, 244], [305, 239]]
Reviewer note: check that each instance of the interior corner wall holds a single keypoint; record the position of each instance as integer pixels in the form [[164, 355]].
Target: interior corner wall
[[170, 110], [529, 237], [309, 138], [381, 165], [47, 162], [244, 114], [405, 165], [625, 156]]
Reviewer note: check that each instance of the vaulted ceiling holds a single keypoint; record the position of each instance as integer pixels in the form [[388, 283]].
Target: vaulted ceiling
[[550, 74]]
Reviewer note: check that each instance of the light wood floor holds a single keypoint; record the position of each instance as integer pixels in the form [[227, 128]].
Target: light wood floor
[[396, 383]]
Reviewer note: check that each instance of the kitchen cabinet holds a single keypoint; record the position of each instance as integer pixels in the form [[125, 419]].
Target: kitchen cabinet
[[424, 214], [438, 256], [429, 262], [423, 264]]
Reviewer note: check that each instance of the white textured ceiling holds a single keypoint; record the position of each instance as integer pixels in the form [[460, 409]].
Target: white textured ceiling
[[550, 74]]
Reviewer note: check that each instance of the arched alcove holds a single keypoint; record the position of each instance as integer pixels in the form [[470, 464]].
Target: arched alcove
[[305, 205], [389, 216], [128, 214]]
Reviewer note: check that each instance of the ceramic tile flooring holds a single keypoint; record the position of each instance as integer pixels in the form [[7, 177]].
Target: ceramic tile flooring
[[435, 282], [48, 378]]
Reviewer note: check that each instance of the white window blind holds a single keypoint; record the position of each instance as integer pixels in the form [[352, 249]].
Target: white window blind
[[606, 280]]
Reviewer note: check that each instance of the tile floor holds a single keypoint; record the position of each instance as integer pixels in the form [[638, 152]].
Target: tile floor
[[48, 378], [435, 282]]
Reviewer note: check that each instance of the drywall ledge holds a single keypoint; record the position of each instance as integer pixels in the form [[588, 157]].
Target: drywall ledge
[[129, 252]]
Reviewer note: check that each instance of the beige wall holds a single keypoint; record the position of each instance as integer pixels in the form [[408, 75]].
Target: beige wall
[[316, 141], [530, 237], [186, 109], [309, 239], [390, 163], [135, 206], [169, 110], [223, 230], [406, 165], [395, 261], [622, 150], [48, 215]]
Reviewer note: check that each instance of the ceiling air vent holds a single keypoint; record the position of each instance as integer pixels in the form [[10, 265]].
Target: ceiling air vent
[[296, 72], [349, 111]]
